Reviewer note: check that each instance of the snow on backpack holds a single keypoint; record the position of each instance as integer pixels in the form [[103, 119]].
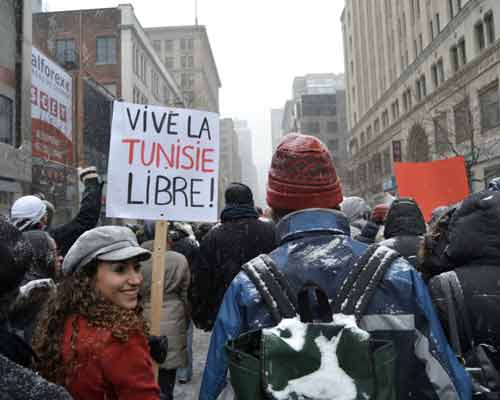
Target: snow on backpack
[[328, 358]]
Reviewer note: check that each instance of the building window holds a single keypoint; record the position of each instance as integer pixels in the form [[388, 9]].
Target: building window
[[479, 35], [440, 68], [441, 138], [454, 58], [385, 119], [186, 44], [166, 94], [106, 50], [157, 45], [438, 24], [363, 139], [376, 127], [461, 112], [395, 110], [169, 45], [490, 110], [461, 52], [332, 127], [187, 61], [434, 75], [459, 4], [431, 30], [6, 120], [190, 44], [65, 51], [187, 81], [170, 62], [490, 27], [369, 134], [450, 8], [312, 127]]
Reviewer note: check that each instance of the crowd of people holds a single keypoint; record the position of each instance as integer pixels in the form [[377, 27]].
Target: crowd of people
[[74, 299]]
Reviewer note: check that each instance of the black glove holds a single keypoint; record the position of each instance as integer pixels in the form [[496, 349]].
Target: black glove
[[158, 348]]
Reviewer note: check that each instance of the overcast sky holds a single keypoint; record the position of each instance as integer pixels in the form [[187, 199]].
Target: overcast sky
[[259, 47]]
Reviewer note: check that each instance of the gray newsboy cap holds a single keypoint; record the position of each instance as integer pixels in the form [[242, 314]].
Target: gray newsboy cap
[[106, 243]]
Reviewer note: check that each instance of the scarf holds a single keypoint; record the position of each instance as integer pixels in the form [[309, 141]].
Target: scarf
[[238, 211]]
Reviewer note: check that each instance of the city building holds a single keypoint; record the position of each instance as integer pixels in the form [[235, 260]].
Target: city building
[[186, 52], [229, 163], [109, 48], [245, 152], [276, 129], [318, 108], [15, 101], [422, 84]]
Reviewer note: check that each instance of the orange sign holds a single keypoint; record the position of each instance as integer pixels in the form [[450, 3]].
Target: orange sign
[[433, 184]]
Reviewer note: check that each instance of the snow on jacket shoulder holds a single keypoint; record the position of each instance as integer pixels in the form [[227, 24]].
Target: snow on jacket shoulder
[[106, 368], [86, 219], [18, 383], [315, 245]]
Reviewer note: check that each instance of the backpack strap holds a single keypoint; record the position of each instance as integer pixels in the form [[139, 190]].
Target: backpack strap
[[446, 287], [272, 286], [358, 288]]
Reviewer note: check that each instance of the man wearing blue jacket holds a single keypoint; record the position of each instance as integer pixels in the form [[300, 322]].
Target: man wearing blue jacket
[[304, 193]]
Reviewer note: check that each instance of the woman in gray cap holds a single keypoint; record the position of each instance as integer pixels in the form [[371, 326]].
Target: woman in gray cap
[[92, 338]]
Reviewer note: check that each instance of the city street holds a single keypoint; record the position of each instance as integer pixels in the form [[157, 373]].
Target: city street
[[189, 391]]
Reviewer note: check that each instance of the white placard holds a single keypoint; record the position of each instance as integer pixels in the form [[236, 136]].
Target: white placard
[[163, 163]]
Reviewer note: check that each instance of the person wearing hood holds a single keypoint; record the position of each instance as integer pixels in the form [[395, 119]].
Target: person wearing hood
[[92, 337], [38, 283], [357, 212], [17, 380], [32, 213], [315, 245], [404, 228], [239, 237], [473, 258]]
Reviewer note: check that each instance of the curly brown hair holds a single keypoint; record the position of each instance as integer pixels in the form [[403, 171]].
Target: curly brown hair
[[77, 296]]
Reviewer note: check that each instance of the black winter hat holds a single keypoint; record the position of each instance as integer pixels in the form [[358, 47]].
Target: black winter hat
[[239, 194], [16, 256], [404, 219]]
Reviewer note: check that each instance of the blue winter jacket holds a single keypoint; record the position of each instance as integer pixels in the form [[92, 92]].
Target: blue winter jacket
[[315, 245]]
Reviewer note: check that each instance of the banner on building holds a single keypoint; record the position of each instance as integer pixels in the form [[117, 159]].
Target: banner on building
[[433, 184], [163, 163], [51, 110]]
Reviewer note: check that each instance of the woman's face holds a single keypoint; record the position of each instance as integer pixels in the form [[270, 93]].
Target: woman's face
[[119, 282]]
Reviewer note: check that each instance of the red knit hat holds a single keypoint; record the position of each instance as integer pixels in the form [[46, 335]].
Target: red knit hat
[[302, 175]]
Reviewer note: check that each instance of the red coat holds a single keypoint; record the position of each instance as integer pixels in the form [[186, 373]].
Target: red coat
[[106, 368]]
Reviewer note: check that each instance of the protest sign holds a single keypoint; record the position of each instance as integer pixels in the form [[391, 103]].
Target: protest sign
[[51, 110], [163, 163], [433, 184]]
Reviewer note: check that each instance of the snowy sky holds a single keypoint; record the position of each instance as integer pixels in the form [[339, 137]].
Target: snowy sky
[[259, 47]]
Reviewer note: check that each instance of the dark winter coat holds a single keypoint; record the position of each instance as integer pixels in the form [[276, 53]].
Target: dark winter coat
[[223, 251], [368, 233], [474, 250], [315, 245], [86, 219], [18, 383], [404, 229]]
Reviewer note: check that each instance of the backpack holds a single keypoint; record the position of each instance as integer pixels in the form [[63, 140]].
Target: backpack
[[315, 353], [485, 377]]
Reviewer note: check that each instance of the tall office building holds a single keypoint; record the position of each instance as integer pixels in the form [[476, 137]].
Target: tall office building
[[422, 84]]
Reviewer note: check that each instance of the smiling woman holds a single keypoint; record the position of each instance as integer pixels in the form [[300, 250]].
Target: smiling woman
[[91, 337]]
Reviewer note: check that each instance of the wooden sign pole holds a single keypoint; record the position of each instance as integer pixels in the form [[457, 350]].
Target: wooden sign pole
[[160, 247]]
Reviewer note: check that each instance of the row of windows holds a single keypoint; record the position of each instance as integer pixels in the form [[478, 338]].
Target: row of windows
[[184, 62], [485, 36], [65, 51], [185, 44], [489, 108], [314, 127]]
